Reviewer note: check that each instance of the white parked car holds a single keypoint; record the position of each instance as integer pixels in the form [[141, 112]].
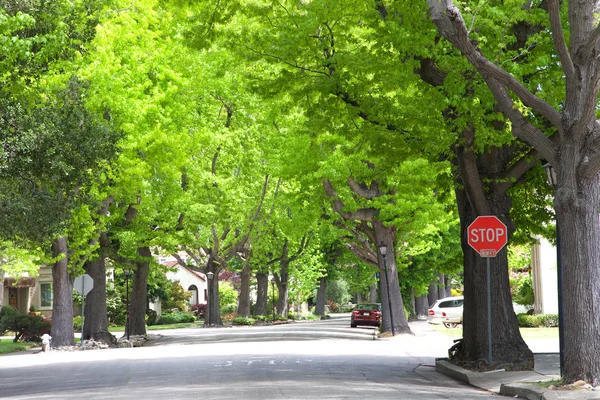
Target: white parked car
[[447, 311]]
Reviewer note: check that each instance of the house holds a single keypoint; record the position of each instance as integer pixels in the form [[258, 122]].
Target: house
[[544, 277], [191, 281], [30, 293], [35, 293]]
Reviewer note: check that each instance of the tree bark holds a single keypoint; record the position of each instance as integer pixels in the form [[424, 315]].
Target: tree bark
[[281, 280], [373, 293], [139, 293], [387, 236], [244, 298], [421, 306], [441, 286], [320, 306], [262, 291], [1, 288], [213, 307], [432, 294], [96, 316], [509, 350], [62, 331], [577, 208]]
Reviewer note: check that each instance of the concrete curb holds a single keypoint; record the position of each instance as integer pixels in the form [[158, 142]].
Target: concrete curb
[[525, 391], [492, 381]]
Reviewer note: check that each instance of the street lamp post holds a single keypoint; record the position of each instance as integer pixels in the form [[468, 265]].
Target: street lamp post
[[209, 316], [273, 297], [383, 251], [553, 181], [127, 272]]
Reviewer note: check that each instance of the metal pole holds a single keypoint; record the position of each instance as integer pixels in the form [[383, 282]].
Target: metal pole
[[387, 285], [82, 310], [489, 313], [561, 315], [127, 301]]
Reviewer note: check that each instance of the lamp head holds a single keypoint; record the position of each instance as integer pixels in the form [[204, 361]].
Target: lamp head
[[126, 272], [383, 249], [210, 275]]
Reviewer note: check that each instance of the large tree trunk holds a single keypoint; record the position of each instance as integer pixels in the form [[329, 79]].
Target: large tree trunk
[[373, 293], [421, 307], [213, 307], [509, 350], [320, 306], [282, 288], [577, 205], [139, 293], [389, 284], [432, 294], [62, 291], [96, 316], [441, 286], [1, 288], [244, 298], [262, 291]]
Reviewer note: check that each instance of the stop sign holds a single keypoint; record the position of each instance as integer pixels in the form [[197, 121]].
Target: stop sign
[[487, 235]]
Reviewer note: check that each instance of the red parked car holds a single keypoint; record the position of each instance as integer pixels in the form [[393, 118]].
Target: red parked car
[[366, 314]]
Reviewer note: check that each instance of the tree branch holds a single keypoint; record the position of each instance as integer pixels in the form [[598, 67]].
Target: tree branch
[[363, 191], [448, 19], [559, 41], [363, 214]]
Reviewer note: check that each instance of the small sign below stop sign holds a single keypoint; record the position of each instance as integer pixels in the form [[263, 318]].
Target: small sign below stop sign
[[487, 235]]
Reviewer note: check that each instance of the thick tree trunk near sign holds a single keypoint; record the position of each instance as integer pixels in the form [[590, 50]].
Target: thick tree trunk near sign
[[62, 292], [139, 293], [244, 297], [262, 290], [432, 294], [509, 350], [96, 316], [573, 151], [321, 290]]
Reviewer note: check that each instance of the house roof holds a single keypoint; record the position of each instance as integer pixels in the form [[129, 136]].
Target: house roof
[[20, 283], [198, 274]]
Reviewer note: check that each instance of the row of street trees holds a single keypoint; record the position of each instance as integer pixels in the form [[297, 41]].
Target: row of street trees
[[266, 135]]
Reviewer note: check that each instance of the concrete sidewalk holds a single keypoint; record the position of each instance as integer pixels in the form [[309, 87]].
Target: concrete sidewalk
[[520, 384]]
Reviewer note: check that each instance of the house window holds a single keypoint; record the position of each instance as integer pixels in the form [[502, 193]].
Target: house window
[[45, 295]]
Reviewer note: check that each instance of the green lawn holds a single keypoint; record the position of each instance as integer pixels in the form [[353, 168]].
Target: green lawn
[[527, 333], [7, 346], [160, 327]]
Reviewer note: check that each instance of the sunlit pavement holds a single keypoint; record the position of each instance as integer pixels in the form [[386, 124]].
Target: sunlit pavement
[[325, 359]]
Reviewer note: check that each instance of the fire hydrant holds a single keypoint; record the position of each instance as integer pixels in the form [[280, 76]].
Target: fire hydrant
[[46, 342]]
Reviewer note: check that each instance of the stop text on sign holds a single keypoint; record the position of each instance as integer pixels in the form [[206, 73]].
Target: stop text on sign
[[487, 235]]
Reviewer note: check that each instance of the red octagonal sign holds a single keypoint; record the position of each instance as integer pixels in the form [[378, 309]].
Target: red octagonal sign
[[487, 235]]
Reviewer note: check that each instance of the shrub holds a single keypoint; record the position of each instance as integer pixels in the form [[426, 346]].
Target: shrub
[[229, 309], [28, 328], [534, 321], [242, 321], [151, 317], [333, 306], [176, 318], [77, 323], [199, 310], [227, 297], [261, 317]]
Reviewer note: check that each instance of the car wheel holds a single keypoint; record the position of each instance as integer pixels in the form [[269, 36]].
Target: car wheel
[[450, 325], [352, 325]]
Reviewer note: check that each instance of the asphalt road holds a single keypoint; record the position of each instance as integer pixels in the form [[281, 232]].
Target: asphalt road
[[325, 359]]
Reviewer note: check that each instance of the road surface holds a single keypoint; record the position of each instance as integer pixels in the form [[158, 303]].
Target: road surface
[[316, 360]]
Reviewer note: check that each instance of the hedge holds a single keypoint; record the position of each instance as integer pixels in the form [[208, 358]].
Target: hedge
[[539, 320]]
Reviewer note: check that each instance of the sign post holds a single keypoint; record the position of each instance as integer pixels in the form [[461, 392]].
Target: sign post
[[83, 284], [487, 235]]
